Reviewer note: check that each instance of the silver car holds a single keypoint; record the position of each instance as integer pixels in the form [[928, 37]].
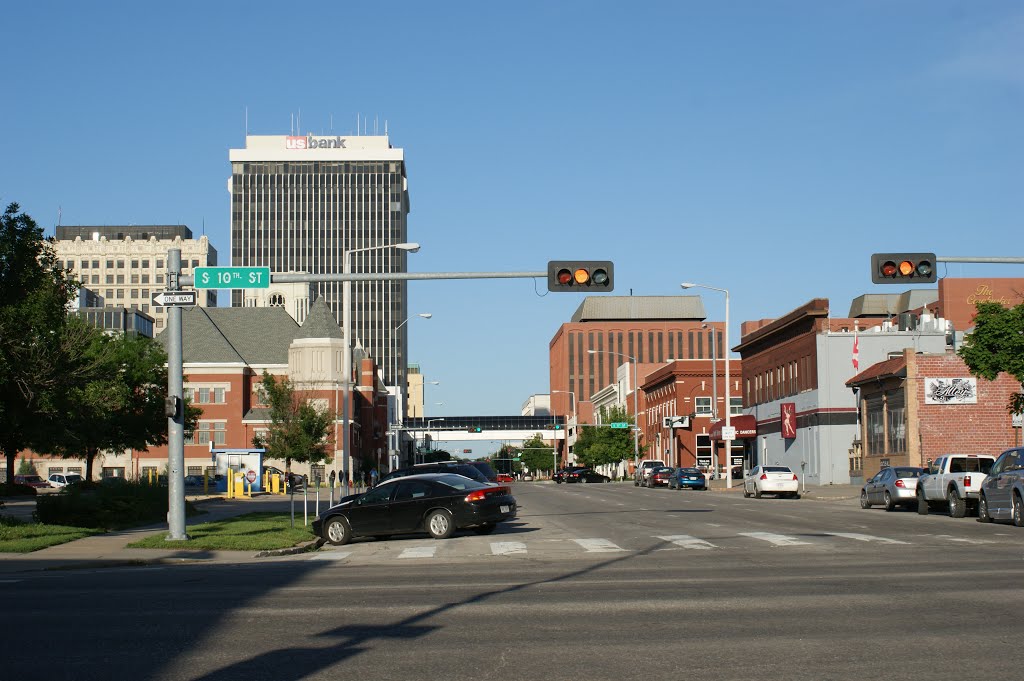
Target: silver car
[[1002, 492], [892, 487]]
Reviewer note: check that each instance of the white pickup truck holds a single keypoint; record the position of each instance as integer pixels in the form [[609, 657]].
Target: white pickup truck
[[953, 480], [644, 471]]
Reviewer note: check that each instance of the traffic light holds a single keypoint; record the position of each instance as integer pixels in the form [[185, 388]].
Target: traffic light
[[903, 268], [475, 429], [581, 276], [557, 426]]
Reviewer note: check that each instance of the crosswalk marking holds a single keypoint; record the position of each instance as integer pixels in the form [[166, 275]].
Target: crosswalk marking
[[598, 545], [775, 539], [688, 542], [331, 555], [507, 548], [865, 537], [418, 552]]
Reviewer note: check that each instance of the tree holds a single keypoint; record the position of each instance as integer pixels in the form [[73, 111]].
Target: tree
[[601, 445], [41, 355], [538, 455], [298, 430], [997, 345], [122, 405]]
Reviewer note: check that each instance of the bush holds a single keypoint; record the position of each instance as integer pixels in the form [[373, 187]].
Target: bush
[[104, 506]]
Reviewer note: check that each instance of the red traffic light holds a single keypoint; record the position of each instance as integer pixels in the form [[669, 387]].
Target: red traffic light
[[903, 268]]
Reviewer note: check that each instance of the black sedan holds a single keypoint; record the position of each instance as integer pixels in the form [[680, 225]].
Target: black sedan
[[585, 475], [560, 476], [438, 503]]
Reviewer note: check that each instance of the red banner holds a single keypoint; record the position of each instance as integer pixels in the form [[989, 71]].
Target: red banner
[[788, 416]]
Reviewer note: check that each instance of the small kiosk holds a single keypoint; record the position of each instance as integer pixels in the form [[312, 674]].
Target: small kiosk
[[230, 464]]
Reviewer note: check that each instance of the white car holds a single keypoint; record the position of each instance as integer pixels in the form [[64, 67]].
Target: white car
[[61, 480], [777, 480]]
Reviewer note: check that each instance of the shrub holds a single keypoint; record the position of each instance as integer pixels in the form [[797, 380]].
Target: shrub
[[104, 506]]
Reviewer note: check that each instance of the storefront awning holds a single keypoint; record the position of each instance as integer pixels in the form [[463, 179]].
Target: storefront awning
[[745, 425]]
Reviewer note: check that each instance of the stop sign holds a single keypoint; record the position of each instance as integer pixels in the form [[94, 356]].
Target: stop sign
[[251, 476]]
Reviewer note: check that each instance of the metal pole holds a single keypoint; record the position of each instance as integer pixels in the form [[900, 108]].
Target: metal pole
[[714, 387], [346, 364], [636, 418], [176, 423], [728, 402]]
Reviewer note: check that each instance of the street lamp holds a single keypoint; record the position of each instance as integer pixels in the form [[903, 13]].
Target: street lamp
[[636, 412], [728, 379], [346, 323], [572, 404], [400, 387]]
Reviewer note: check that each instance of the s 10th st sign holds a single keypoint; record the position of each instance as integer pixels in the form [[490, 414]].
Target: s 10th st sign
[[232, 277]]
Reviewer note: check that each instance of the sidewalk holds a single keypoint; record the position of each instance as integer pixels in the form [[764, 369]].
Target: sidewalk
[[110, 550]]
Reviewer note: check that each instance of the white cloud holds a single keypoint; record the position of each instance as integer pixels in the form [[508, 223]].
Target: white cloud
[[993, 53]]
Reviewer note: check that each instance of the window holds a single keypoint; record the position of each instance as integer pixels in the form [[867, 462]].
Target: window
[[145, 278], [735, 406], [702, 406], [145, 264], [110, 263], [135, 279], [135, 264], [95, 264], [204, 396], [159, 263], [218, 395], [206, 432], [875, 428], [120, 264]]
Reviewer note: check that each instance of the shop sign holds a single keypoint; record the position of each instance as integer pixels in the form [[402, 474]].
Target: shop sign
[[950, 391]]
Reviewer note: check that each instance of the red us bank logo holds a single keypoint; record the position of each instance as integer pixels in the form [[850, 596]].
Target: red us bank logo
[[294, 142]]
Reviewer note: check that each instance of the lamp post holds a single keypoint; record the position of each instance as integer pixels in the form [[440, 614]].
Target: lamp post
[[636, 412], [728, 379], [400, 390], [346, 323], [572, 404]]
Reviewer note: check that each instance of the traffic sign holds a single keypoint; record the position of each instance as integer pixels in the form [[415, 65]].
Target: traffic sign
[[175, 298], [251, 476], [232, 277], [728, 432], [619, 424]]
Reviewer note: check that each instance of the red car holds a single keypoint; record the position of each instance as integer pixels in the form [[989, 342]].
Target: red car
[[30, 481], [505, 477], [660, 477]]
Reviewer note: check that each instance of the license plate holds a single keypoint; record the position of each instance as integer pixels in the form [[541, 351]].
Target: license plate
[[506, 509]]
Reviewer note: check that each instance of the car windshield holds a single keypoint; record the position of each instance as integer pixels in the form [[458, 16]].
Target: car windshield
[[662, 470], [459, 482], [776, 469], [31, 478], [690, 471], [73, 478]]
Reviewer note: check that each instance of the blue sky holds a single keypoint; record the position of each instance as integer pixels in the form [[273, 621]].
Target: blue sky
[[764, 147]]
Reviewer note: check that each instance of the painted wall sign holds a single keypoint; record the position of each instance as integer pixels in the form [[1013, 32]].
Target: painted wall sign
[[787, 414], [950, 391]]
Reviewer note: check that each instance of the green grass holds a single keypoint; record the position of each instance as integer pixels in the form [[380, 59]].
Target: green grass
[[250, 532], [18, 537]]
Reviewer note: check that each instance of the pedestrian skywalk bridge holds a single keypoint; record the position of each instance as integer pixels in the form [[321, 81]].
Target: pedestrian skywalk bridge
[[414, 548]]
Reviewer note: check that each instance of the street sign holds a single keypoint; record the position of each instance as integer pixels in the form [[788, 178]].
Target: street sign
[[251, 476], [619, 425], [232, 277], [175, 298], [728, 432]]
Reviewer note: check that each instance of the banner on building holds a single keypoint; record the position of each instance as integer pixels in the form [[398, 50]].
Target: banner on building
[[950, 391], [787, 414]]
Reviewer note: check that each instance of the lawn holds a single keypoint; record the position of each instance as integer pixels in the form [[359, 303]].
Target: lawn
[[250, 532], [18, 537]]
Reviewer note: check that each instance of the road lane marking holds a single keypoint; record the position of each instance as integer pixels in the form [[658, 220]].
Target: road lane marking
[[418, 552], [507, 548], [688, 542], [865, 537], [775, 539], [598, 545]]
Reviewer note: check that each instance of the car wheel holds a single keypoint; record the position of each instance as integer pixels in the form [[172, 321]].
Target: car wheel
[[439, 524], [583, 480], [957, 506], [746, 494], [1018, 511], [757, 492], [922, 504], [337, 531], [864, 503], [796, 495], [890, 505], [983, 516], [485, 529]]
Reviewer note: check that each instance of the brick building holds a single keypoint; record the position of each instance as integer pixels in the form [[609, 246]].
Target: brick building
[[917, 407]]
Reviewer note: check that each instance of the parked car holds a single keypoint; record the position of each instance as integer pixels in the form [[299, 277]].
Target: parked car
[[527, 478], [585, 475], [485, 469], [505, 477], [893, 486], [465, 469], [197, 481], [777, 480], [1002, 492], [30, 481], [62, 480], [659, 477], [559, 476], [438, 503], [687, 478], [645, 468], [953, 481]]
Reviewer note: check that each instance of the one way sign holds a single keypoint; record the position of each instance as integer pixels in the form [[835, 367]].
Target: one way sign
[[175, 298]]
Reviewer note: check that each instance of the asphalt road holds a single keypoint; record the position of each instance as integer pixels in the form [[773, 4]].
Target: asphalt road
[[591, 582]]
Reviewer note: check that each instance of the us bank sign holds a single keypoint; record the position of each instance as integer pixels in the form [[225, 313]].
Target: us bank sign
[[311, 142], [950, 391]]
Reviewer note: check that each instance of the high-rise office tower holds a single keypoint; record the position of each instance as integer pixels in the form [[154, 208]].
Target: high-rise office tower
[[299, 203]]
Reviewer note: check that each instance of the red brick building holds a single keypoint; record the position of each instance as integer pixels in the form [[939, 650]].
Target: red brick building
[[916, 407]]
